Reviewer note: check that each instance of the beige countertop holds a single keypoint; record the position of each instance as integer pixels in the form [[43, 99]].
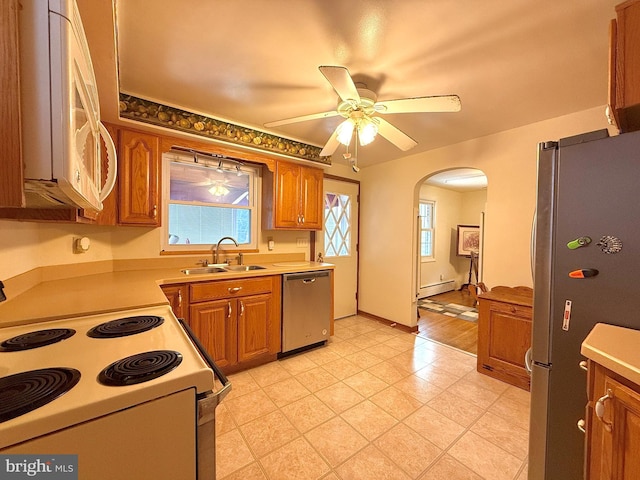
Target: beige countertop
[[89, 294], [615, 348]]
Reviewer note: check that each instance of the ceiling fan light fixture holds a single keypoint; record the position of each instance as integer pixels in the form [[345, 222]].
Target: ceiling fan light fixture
[[345, 131], [218, 190], [367, 131]]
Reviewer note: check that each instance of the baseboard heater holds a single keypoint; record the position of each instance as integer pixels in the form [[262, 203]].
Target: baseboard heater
[[435, 288]]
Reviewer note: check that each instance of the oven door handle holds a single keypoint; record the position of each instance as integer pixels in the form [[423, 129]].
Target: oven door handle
[[226, 384]]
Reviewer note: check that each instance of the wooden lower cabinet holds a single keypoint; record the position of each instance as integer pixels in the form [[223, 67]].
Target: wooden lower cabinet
[[254, 317], [178, 296], [215, 325], [504, 334], [237, 321], [613, 441]]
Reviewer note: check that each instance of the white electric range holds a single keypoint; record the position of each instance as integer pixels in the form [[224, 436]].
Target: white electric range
[[132, 387]]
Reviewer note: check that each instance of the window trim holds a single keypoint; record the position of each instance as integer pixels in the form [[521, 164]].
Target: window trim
[[256, 208], [432, 257]]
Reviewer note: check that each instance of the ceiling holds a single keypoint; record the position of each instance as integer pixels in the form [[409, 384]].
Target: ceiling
[[255, 61], [459, 180]]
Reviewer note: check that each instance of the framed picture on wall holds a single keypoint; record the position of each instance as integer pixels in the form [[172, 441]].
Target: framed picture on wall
[[468, 240]]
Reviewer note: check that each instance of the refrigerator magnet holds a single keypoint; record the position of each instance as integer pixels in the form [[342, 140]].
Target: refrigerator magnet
[[584, 273], [578, 242], [610, 244], [566, 318]]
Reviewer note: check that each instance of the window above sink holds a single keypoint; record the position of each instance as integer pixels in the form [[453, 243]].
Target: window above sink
[[206, 200]]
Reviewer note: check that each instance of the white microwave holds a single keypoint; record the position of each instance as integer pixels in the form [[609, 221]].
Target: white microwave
[[61, 128]]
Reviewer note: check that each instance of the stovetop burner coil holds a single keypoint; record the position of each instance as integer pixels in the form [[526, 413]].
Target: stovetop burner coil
[[35, 339], [139, 368], [123, 327], [26, 391]]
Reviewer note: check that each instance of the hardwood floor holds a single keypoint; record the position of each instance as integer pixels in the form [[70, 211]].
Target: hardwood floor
[[451, 331]]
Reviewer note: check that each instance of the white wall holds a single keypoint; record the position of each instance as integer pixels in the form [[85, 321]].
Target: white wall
[[448, 206], [389, 192], [452, 209], [28, 245], [387, 275]]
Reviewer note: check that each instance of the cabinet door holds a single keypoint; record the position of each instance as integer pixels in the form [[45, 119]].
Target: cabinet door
[[616, 448], [139, 178], [177, 296], [624, 66], [287, 203], [214, 323], [504, 336], [254, 322], [311, 190]]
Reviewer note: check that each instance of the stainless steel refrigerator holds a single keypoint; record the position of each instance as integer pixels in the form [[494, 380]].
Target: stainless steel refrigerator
[[586, 270]]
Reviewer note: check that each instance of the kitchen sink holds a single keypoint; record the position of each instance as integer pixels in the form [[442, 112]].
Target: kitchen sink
[[221, 269], [202, 270], [243, 268]]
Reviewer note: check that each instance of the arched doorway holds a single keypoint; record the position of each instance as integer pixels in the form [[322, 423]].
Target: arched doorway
[[450, 210]]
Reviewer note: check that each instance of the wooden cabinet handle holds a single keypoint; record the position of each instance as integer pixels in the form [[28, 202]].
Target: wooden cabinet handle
[[234, 289], [179, 298], [583, 365], [154, 211], [582, 426], [241, 308], [229, 307], [600, 404]]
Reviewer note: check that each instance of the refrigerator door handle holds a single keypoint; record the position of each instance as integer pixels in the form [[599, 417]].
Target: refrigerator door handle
[[528, 361], [532, 245]]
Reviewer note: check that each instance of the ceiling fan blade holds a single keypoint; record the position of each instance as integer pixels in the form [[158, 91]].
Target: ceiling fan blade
[[331, 145], [302, 118], [442, 103], [341, 81], [400, 139]]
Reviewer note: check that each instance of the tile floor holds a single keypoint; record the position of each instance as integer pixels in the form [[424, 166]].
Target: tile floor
[[375, 403]]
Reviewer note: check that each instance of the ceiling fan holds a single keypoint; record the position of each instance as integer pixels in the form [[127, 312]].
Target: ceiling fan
[[361, 110]]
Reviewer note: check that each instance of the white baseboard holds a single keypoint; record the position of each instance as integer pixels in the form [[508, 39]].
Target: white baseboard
[[436, 288]]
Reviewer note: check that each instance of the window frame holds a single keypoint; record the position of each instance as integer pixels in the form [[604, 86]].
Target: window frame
[[432, 257], [350, 233], [255, 186]]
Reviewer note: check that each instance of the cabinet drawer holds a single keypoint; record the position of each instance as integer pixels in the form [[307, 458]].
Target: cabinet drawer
[[511, 309], [200, 292]]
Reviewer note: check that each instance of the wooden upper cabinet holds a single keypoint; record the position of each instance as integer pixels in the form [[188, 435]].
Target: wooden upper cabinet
[[311, 185], [292, 197], [139, 169], [624, 66], [11, 179]]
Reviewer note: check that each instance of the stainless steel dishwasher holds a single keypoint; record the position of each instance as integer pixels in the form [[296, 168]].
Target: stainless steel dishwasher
[[306, 309]]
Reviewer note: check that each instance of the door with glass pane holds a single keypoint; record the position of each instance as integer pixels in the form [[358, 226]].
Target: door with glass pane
[[339, 242]]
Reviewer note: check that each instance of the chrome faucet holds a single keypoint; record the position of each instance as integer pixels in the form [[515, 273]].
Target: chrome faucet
[[215, 255]]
